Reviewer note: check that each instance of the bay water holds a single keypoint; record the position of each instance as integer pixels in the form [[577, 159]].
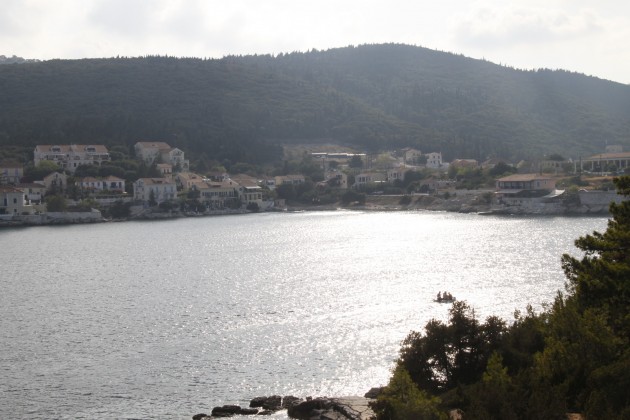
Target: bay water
[[167, 319]]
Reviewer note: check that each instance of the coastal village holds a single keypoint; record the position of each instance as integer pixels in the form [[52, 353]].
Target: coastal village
[[405, 178]]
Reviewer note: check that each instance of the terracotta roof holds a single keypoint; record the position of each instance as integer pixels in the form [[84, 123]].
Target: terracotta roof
[[523, 177], [606, 156], [65, 148], [11, 164], [153, 145], [157, 181], [9, 189]]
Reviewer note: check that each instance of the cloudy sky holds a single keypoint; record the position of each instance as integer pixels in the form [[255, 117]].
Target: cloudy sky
[[586, 36]]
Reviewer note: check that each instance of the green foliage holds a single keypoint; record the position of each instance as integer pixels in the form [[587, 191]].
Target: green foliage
[[152, 200], [119, 210], [253, 207], [453, 353], [55, 203], [40, 171], [286, 191], [501, 169], [405, 200], [572, 357], [356, 162], [352, 196], [403, 400], [375, 96]]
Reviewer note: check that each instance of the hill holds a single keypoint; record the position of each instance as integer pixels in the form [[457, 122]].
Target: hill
[[242, 108]]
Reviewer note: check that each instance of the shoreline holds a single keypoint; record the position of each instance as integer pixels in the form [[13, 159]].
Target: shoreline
[[464, 202]]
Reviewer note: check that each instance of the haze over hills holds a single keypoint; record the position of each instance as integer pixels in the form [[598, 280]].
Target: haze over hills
[[374, 97]]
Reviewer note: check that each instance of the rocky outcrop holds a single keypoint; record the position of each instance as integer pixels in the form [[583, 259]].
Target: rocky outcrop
[[258, 406], [346, 408]]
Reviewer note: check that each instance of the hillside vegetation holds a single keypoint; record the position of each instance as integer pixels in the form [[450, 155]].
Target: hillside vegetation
[[373, 97]]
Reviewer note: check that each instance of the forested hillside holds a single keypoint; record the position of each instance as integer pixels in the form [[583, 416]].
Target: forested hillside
[[374, 97]]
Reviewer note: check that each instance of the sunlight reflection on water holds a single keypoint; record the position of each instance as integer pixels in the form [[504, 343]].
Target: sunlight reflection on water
[[168, 319]]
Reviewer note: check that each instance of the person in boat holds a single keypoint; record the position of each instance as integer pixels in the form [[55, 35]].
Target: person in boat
[[439, 296]]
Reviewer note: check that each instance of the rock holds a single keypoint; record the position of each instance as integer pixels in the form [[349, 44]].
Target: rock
[[309, 408], [290, 401], [268, 403], [347, 408], [226, 411], [266, 413], [374, 392], [248, 411], [273, 403], [257, 402], [200, 416]]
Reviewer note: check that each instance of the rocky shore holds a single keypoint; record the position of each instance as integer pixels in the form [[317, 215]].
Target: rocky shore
[[320, 408]]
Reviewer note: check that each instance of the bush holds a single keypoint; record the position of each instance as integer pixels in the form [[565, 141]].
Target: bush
[[403, 400]]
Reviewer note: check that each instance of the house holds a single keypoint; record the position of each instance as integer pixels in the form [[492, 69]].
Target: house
[[248, 190], [525, 182], [149, 152], [411, 156], [519, 188], [186, 180], [165, 169], [336, 179], [111, 183], [217, 195], [396, 174], [218, 176], [368, 178], [56, 183], [12, 201], [434, 160], [605, 162], [71, 156], [33, 193], [289, 180], [158, 189], [11, 172], [465, 163]]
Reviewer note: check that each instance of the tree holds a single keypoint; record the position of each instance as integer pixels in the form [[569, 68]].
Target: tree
[[152, 201], [356, 162], [448, 354], [43, 168], [403, 400], [601, 279], [55, 203]]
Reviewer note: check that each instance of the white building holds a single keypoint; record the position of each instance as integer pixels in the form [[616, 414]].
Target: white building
[[56, 182], [217, 195], [434, 160], [162, 189], [368, 178], [11, 172], [111, 183], [13, 201], [71, 156], [149, 151]]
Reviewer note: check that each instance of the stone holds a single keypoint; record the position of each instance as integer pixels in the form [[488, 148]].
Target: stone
[[200, 416], [248, 411], [374, 392], [268, 403], [346, 408], [257, 402], [290, 401], [307, 409], [273, 403], [226, 411]]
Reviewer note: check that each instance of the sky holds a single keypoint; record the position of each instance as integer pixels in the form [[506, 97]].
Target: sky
[[584, 36]]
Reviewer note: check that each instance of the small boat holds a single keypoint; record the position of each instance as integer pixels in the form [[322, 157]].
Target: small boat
[[444, 298]]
